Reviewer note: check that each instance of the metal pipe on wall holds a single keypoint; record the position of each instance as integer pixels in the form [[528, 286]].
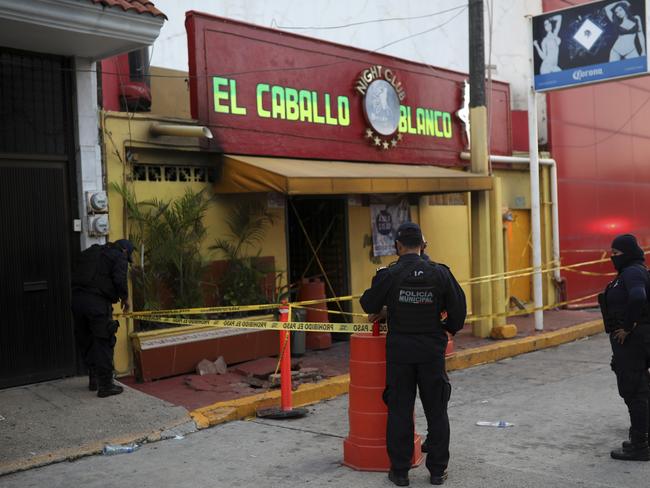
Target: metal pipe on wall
[[180, 130], [555, 220], [535, 217]]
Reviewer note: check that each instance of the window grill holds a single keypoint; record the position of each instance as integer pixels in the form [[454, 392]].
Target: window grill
[[172, 173], [34, 113]]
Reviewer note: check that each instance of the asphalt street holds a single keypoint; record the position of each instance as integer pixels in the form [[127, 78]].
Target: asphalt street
[[563, 403]]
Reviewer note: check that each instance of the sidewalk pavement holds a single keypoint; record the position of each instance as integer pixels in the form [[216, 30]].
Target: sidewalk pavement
[[60, 420]]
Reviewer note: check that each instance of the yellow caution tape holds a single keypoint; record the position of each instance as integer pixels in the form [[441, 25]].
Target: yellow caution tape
[[591, 273], [335, 312], [546, 268], [228, 309], [268, 325], [202, 310], [323, 326], [528, 311]]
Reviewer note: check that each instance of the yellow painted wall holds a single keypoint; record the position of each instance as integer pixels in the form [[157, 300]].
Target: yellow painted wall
[[170, 93], [515, 187], [446, 228], [120, 132]]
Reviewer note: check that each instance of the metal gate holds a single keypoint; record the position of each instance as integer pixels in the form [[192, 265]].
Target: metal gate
[[37, 193], [320, 223]]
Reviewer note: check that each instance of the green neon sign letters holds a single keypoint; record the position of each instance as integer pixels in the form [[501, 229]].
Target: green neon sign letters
[[298, 105]]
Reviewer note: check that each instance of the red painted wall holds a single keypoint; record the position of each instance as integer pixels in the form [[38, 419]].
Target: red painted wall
[[250, 55], [600, 138], [113, 69], [520, 130]]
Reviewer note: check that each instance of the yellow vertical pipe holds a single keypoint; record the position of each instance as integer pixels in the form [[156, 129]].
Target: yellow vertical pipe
[[498, 258], [481, 224]]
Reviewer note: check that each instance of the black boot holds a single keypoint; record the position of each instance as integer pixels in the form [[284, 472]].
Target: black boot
[[92, 379], [638, 448], [438, 479], [627, 445], [106, 387], [400, 478]]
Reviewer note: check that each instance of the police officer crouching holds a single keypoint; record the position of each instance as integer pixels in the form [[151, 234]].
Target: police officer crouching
[[626, 314], [99, 280], [415, 292]]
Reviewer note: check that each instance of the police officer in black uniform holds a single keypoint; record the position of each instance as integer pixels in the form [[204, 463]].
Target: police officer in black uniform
[[99, 280], [415, 293], [626, 314]]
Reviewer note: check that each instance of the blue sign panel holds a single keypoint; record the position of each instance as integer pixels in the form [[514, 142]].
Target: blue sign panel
[[590, 43]]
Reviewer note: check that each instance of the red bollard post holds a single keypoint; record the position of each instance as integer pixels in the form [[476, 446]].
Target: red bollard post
[[285, 360], [286, 410], [450, 345]]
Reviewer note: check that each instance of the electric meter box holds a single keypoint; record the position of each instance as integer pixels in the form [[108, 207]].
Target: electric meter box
[[98, 225], [97, 202]]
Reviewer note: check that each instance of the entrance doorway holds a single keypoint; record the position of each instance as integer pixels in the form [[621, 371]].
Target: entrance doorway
[[519, 254], [37, 198], [321, 224]]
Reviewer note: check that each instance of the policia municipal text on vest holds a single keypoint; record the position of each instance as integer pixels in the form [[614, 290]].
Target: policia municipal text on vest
[[413, 294]]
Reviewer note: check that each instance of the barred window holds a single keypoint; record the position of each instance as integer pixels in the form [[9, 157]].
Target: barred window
[[151, 172]]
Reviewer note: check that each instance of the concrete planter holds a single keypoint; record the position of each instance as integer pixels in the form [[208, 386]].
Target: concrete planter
[[170, 352]]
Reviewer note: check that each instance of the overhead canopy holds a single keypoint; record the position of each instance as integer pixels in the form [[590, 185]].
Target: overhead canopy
[[93, 29], [249, 174]]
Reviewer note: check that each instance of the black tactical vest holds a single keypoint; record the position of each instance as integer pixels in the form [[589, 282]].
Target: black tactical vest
[[414, 300], [92, 273]]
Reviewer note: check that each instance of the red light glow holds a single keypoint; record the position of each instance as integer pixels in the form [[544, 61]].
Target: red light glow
[[610, 226]]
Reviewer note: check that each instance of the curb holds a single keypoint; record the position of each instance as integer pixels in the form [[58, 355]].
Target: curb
[[307, 394], [241, 408], [89, 449], [514, 347]]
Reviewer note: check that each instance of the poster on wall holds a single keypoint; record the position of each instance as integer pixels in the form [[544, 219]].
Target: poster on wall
[[385, 219], [590, 43]]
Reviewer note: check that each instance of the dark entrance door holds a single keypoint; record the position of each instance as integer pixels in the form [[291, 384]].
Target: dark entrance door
[[35, 329], [37, 193], [325, 224]]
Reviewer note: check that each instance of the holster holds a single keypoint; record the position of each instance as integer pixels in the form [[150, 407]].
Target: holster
[[611, 320], [602, 303], [112, 327]]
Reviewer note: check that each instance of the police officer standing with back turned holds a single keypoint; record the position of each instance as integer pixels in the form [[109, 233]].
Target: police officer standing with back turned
[[99, 280], [415, 293], [626, 314]]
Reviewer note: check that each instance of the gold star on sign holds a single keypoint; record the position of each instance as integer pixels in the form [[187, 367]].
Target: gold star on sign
[[393, 142], [377, 141], [399, 137], [384, 145], [369, 133]]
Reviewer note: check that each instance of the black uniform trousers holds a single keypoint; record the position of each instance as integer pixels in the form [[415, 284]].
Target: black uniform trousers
[[399, 396], [630, 362], [94, 332]]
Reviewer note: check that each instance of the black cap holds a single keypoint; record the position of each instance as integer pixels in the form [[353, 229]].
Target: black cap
[[409, 234], [127, 245]]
